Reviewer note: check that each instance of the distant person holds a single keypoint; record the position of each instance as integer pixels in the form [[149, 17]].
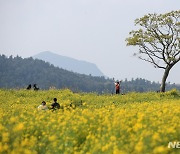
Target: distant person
[[29, 87], [55, 105], [43, 106], [35, 87], [117, 87]]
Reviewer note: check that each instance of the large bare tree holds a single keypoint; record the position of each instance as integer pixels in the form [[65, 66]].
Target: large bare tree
[[158, 40]]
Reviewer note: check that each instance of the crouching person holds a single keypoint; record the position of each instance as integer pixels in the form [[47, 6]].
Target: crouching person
[[55, 105], [43, 106]]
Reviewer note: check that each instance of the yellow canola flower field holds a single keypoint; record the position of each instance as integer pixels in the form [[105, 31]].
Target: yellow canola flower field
[[136, 123]]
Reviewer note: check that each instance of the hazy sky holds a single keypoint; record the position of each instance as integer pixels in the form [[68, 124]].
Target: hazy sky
[[89, 30]]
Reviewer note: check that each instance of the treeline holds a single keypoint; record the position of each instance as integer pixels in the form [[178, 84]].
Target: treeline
[[17, 72], [142, 85]]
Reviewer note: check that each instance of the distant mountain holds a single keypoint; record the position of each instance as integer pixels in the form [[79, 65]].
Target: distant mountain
[[69, 64]]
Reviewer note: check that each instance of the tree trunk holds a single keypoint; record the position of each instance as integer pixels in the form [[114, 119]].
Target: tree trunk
[[163, 82]]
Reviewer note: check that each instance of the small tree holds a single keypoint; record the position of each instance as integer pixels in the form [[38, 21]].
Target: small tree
[[158, 40]]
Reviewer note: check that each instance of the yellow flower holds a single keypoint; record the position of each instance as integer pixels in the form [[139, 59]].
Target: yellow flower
[[159, 149], [139, 146], [25, 142], [113, 138], [137, 126], [117, 151], [156, 137], [52, 138], [19, 127], [13, 119], [5, 137], [104, 148], [1, 127], [27, 151]]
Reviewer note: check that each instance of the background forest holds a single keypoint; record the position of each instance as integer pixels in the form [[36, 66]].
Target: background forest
[[17, 72]]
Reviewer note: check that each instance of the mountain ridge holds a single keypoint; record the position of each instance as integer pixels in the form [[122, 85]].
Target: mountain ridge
[[70, 64]]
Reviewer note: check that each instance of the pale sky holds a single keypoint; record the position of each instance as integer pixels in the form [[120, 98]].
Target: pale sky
[[89, 30]]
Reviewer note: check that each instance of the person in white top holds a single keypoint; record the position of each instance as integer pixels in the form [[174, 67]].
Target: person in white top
[[43, 106]]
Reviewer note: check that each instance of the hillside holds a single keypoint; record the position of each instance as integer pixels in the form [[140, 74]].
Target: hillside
[[16, 72], [69, 64]]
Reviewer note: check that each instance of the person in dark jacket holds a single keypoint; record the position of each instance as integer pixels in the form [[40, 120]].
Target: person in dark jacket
[[29, 87], [35, 87], [55, 105]]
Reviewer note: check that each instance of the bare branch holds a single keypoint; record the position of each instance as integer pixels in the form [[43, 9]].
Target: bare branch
[[152, 62]]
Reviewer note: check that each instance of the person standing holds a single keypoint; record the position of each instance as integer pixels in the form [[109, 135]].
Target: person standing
[[117, 87]]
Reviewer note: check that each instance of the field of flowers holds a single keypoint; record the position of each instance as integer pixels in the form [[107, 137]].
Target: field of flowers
[[89, 123]]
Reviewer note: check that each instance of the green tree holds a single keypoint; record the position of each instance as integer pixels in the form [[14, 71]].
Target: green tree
[[158, 40]]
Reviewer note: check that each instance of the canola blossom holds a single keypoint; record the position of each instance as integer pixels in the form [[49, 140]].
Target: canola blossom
[[89, 123]]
